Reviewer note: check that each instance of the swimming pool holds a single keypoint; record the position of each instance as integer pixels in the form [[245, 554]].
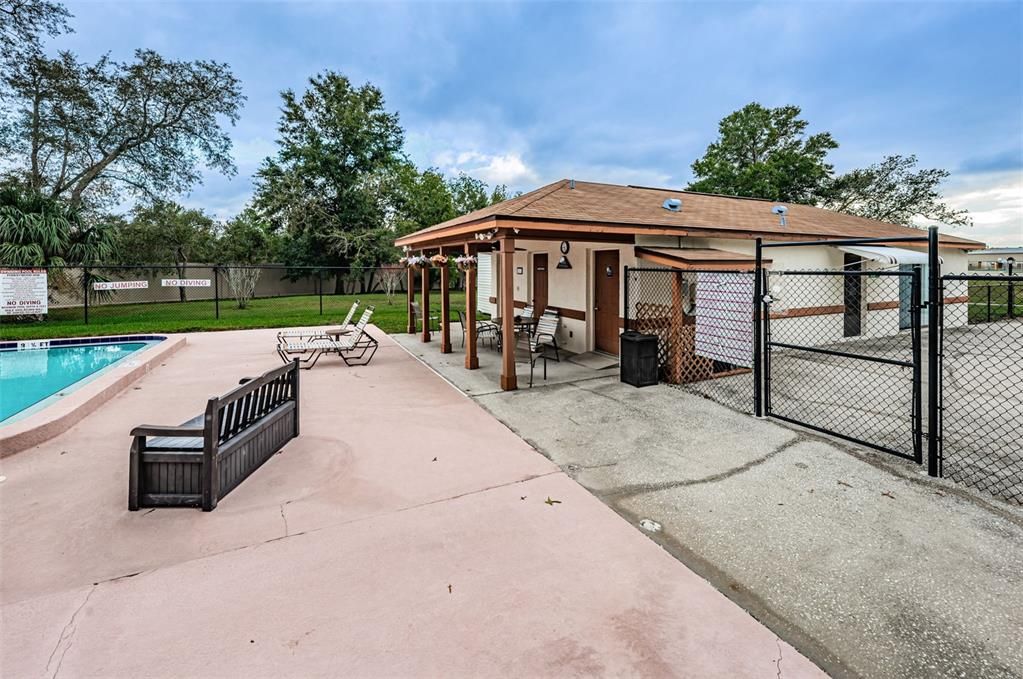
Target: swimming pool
[[33, 374]]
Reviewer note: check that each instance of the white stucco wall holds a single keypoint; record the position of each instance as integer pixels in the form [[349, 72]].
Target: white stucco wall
[[566, 288], [573, 288]]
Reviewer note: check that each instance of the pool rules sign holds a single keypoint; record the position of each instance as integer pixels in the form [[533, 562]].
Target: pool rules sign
[[23, 292]]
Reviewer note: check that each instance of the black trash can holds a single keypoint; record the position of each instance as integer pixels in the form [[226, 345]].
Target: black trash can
[[638, 358]]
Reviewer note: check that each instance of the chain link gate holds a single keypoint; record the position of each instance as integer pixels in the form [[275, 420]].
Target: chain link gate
[[842, 355], [981, 402], [703, 321]]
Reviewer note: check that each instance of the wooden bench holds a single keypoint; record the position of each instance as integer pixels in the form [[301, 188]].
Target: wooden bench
[[199, 462]]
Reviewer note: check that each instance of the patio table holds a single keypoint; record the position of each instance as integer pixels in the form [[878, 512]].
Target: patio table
[[521, 324]]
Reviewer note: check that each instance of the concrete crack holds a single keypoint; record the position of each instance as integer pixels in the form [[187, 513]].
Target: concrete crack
[[640, 488], [67, 635], [777, 663], [284, 519]]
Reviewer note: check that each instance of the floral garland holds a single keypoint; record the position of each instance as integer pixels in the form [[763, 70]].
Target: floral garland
[[466, 262], [415, 261]]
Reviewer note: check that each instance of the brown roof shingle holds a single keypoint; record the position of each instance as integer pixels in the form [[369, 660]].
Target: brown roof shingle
[[578, 201]]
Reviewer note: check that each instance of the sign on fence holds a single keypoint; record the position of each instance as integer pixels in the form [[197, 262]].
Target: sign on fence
[[120, 285], [724, 317], [23, 292], [185, 282]]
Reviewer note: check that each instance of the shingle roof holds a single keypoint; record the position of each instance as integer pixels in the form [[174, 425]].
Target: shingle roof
[[578, 201]]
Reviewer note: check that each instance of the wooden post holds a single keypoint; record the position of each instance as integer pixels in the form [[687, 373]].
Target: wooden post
[[410, 293], [445, 309], [676, 345], [508, 378], [210, 462], [472, 360], [424, 303]]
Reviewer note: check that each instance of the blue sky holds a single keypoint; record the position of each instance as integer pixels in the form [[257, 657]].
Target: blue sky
[[527, 93]]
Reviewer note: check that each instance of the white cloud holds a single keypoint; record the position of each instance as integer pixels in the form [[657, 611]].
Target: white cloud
[[995, 201], [507, 168]]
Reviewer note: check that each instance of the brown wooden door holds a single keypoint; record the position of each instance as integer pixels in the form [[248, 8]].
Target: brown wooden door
[[539, 283], [605, 301]]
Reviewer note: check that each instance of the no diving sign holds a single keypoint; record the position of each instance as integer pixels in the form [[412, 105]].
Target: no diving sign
[[185, 282]]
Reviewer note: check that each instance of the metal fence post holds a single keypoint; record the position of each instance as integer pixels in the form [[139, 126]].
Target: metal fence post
[[216, 290], [319, 288], [935, 308], [1011, 291], [915, 322], [626, 284], [85, 291], [758, 293]]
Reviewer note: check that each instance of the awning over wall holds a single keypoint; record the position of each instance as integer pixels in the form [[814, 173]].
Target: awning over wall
[[887, 255], [697, 258]]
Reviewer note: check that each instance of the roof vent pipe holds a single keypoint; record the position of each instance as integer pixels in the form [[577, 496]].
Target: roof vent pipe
[[672, 204], [781, 211]]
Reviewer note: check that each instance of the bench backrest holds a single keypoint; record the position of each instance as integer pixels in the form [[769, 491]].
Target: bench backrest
[[248, 402], [527, 312]]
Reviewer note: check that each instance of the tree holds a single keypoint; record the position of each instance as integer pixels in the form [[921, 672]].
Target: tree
[[765, 153], [244, 240], [468, 194], [23, 21], [894, 191], [500, 194], [167, 233], [39, 231], [82, 131], [329, 184]]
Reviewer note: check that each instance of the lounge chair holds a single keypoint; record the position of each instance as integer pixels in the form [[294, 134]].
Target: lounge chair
[[343, 329], [417, 311], [543, 339], [352, 348], [485, 330]]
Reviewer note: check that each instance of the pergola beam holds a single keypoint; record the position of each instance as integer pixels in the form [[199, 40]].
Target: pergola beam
[[445, 309], [424, 303], [472, 361], [508, 378]]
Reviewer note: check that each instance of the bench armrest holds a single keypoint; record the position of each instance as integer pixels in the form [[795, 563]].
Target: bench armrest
[[153, 430]]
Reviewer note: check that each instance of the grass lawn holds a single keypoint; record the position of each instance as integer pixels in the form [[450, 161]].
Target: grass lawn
[[989, 300], [275, 312]]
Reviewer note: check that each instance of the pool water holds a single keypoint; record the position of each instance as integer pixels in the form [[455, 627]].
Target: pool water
[[28, 377]]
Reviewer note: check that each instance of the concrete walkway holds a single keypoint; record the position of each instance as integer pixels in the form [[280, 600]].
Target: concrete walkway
[[861, 561], [405, 533]]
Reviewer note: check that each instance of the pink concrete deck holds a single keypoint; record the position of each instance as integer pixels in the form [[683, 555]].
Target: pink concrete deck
[[404, 533]]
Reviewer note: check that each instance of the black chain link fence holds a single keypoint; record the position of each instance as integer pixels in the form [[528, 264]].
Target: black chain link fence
[[703, 321], [982, 383], [842, 355], [168, 298]]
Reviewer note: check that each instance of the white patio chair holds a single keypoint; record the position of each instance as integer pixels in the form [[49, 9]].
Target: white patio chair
[[352, 348], [417, 311], [543, 339], [343, 329]]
